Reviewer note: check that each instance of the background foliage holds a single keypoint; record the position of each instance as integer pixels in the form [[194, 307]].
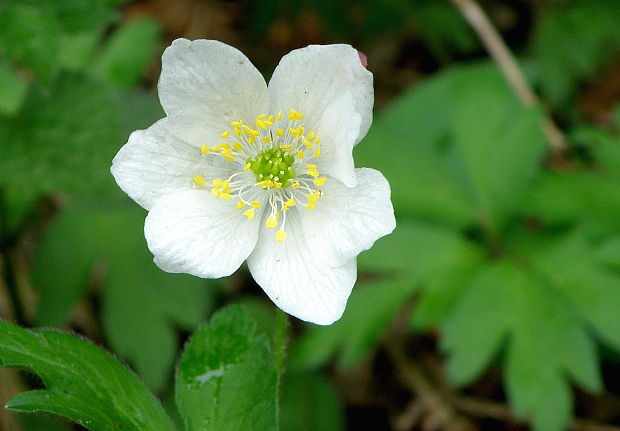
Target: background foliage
[[494, 305]]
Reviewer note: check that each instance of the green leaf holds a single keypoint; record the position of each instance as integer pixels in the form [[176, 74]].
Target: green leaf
[[29, 36], [546, 342], [370, 310], [571, 41], [12, 89], [310, 403], [128, 52], [63, 138], [576, 268], [226, 379], [142, 305], [82, 382], [500, 143], [407, 143]]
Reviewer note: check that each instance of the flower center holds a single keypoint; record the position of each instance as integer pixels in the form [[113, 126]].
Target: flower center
[[274, 164], [283, 163]]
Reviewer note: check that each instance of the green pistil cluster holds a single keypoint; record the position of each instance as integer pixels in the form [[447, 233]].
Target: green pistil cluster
[[274, 165]]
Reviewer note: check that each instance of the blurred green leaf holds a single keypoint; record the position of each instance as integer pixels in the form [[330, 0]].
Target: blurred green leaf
[[62, 139], [226, 379], [407, 142], [571, 41], [573, 268], [142, 305], [128, 52], [77, 49], [29, 37], [370, 310], [310, 403], [500, 142], [12, 89], [546, 342], [82, 382]]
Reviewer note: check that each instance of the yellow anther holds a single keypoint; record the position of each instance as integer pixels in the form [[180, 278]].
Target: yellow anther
[[224, 145], [277, 184], [199, 180], [225, 134], [237, 131], [204, 149], [229, 158], [249, 213], [251, 139], [320, 181], [237, 146], [247, 166], [296, 186], [226, 196], [280, 132], [270, 119], [266, 139], [240, 205], [236, 123], [255, 204], [285, 146], [311, 135], [216, 192], [280, 235], [300, 154], [261, 116], [218, 182], [317, 152], [279, 116], [307, 143], [287, 204], [317, 140], [311, 166], [266, 183], [261, 124], [272, 221], [226, 152], [311, 205], [313, 197], [313, 173], [294, 115], [251, 131]]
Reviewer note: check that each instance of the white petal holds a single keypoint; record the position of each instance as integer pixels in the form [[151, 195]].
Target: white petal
[[296, 281], [206, 84], [310, 79], [154, 163], [196, 233], [339, 130], [347, 221]]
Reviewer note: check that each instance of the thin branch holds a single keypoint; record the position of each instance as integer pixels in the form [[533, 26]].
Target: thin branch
[[501, 54]]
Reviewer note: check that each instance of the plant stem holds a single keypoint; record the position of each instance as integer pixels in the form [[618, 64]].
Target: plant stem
[[280, 340], [501, 54]]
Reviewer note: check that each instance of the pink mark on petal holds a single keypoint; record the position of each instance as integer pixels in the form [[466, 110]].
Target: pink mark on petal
[[363, 58]]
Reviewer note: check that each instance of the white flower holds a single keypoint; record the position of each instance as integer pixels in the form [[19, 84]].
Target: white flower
[[240, 170]]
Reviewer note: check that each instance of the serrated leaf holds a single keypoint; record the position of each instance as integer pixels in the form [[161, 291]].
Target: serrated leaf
[[310, 403], [546, 342], [500, 143], [142, 305], [83, 382], [62, 139], [128, 52], [226, 380], [370, 310]]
